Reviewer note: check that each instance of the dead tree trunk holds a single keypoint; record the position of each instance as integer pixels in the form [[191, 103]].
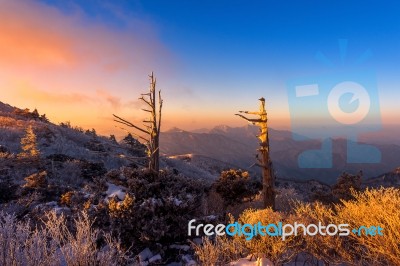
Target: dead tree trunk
[[151, 126], [265, 162]]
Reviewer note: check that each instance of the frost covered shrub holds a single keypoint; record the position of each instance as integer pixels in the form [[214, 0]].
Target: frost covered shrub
[[73, 199], [372, 208], [21, 246], [376, 207], [54, 244], [274, 248], [81, 246], [91, 170], [236, 185], [286, 198], [219, 251], [345, 183], [329, 249], [69, 174], [158, 207], [37, 180]]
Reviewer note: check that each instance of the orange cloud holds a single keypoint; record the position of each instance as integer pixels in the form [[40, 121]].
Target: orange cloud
[[39, 35], [55, 61], [28, 91], [28, 37]]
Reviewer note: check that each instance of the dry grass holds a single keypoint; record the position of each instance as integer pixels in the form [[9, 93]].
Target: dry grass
[[218, 252], [273, 248], [330, 249], [378, 207], [373, 208]]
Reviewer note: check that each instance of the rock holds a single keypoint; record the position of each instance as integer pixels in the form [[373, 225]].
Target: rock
[[155, 258], [191, 263], [187, 259], [181, 247], [197, 241], [115, 191], [261, 261], [145, 255]]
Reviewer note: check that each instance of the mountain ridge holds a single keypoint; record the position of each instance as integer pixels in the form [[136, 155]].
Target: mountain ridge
[[234, 146]]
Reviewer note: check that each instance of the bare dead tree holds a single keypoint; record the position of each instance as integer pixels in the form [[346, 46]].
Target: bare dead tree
[[265, 162], [151, 126]]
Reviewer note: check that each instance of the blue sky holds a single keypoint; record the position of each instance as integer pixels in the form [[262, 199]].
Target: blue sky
[[221, 56]]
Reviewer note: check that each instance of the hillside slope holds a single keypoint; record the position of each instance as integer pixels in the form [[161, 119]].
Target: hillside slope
[[238, 146]]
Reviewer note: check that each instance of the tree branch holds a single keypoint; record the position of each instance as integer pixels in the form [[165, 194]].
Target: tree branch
[[133, 133], [143, 99], [160, 102], [251, 120], [127, 123]]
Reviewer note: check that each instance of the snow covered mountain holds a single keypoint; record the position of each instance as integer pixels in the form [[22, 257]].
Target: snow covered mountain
[[237, 146]]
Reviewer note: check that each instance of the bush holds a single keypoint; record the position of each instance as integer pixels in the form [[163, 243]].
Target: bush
[[372, 208], [156, 208], [273, 248], [345, 183], [37, 180], [369, 208], [221, 251], [286, 199], [91, 170], [54, 244], [377, 207], [329, 249], [236, 185]]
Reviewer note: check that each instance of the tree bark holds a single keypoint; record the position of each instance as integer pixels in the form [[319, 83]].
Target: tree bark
[[268, 180]]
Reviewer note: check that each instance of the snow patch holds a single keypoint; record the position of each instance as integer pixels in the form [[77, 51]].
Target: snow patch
[[115, 191], [180, 247], [249, 261]]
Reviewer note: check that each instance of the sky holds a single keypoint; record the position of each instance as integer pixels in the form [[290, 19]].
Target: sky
[[82, 61]]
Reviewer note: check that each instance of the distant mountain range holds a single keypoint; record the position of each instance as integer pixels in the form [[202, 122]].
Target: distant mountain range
[[200, 154], [237, 146]]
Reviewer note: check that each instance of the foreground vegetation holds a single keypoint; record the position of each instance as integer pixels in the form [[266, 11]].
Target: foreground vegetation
[[368, 208], [70, 197], [58, 241]]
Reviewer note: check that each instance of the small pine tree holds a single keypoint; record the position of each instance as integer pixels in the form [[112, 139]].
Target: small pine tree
[[236, 185], [44, 118], [29, 144], [130, 140], [35, 114], [91, 133], [113, 139]]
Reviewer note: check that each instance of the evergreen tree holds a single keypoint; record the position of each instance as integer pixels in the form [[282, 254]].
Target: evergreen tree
[[130, 140], [236, 185], [44, 118], [113, 139], [35, 114], [29, 144], [135, 147]]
